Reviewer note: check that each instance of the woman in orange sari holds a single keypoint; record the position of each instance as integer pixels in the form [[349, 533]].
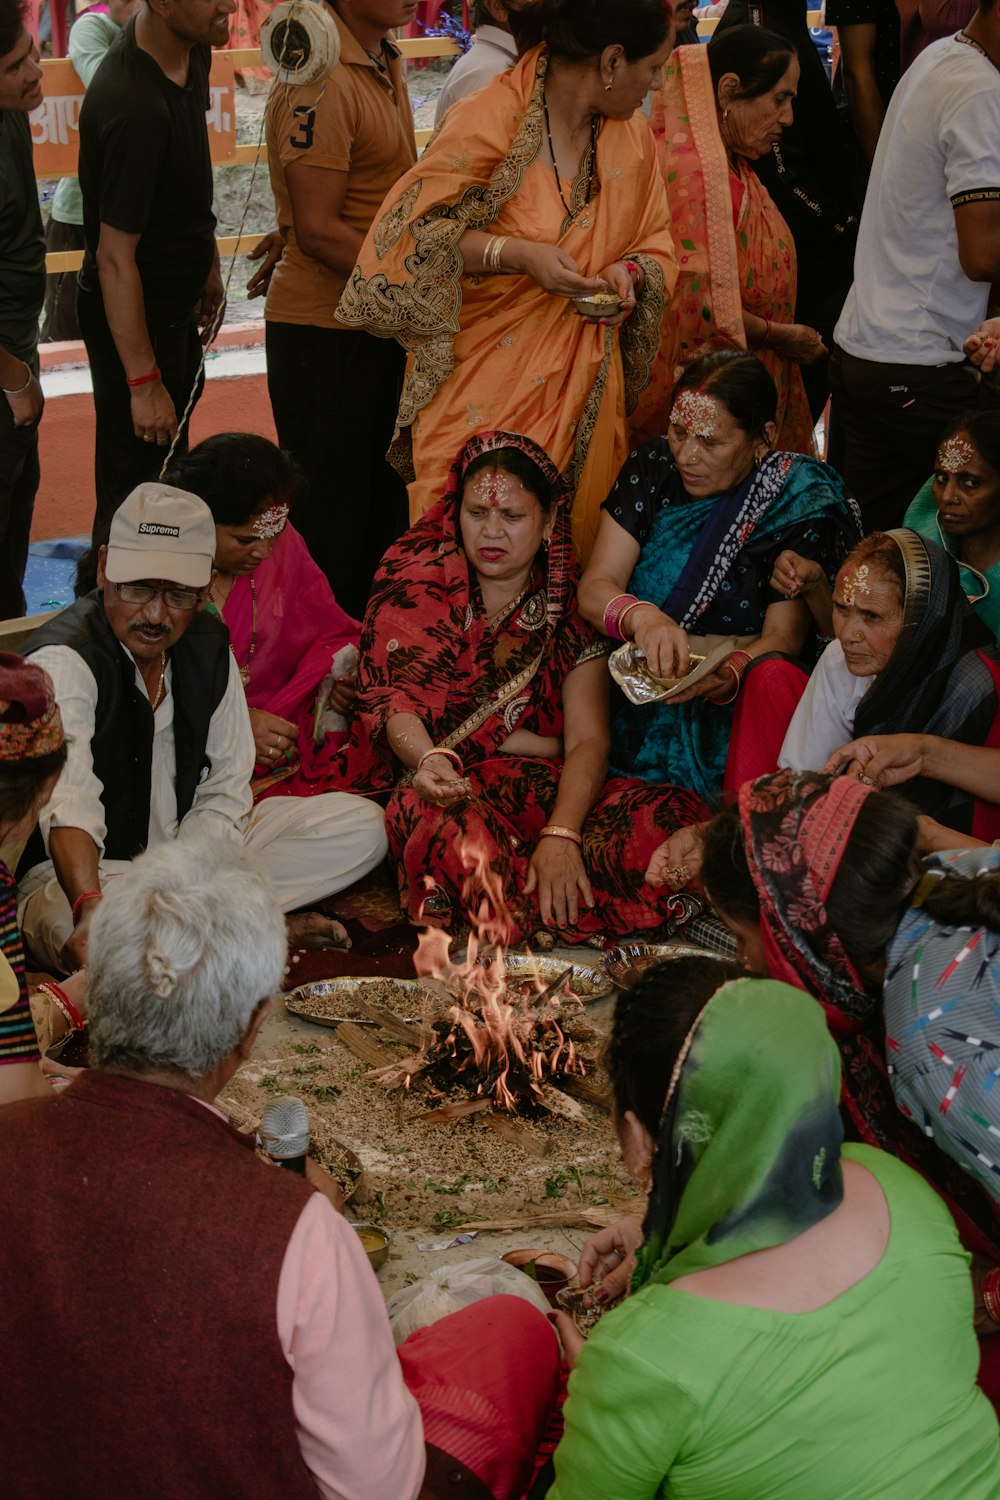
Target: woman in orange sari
[[720, 108], [541, 188]]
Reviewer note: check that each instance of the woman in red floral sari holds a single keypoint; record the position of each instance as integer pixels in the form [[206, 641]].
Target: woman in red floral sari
[[483, 709]]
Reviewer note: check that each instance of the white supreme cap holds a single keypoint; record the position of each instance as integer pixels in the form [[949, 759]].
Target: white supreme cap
[[161, 532]]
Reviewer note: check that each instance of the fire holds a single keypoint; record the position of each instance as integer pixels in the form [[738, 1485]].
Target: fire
[[498, 1033]]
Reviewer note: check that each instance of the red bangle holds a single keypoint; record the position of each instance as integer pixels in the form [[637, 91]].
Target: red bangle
[[61, 998], [83, 896], [991, 1293], [142, 379]]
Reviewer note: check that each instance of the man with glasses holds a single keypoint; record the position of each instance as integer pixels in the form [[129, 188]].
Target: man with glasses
[[160, 743]]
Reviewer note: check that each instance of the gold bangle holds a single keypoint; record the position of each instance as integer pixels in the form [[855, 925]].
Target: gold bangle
[[451, 755], [991, 1293], [557, 831]]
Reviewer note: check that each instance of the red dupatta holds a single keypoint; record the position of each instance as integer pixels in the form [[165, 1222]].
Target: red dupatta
[[426, 639]]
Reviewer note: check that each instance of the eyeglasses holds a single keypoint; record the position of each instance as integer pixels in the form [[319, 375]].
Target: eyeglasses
[[145, 593]]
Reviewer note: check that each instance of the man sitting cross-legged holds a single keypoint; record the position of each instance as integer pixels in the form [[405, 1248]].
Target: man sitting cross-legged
[[160, 743]]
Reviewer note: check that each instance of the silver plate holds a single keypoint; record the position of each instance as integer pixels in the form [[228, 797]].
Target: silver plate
[[304, 1000], [404, 995], [628, 961]]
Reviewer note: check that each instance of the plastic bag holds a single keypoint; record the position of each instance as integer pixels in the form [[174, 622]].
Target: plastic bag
[[450, 1288]]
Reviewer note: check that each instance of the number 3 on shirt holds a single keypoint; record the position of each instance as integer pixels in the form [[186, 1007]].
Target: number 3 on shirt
[[302, 137]]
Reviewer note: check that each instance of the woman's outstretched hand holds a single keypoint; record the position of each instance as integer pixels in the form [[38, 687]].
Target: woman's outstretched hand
[[677, 862], [608, 1259], [553, 270], [797, 341], [438, 781], [884, 760], [796, 576], [559, 875], [661, 640]]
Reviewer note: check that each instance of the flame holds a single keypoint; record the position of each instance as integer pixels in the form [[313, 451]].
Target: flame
[[502, 1028]]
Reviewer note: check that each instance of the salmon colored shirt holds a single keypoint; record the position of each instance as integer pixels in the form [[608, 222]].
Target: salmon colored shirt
[[358, 121]]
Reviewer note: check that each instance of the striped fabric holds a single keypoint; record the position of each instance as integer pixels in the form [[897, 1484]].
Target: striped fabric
[[18, 1042]]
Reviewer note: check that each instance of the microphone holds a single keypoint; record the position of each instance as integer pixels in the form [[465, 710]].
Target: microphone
[[284, 1133]]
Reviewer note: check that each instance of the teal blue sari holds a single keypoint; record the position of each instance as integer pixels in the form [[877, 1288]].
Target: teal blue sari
[[707, 564]]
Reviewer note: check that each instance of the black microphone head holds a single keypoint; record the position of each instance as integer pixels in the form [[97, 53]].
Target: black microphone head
[[284, 1130]]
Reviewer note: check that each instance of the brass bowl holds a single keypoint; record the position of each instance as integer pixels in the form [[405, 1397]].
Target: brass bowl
[[550, 1272], [375, 1242], [599, 304]]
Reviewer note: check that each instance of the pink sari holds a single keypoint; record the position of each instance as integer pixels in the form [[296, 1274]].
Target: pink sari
[[299, 627], [732, 259]]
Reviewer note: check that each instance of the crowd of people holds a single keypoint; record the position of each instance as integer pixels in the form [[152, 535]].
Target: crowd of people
[[545, 598]]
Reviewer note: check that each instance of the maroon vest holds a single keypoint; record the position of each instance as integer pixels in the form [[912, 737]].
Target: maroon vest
[[138, 1335]]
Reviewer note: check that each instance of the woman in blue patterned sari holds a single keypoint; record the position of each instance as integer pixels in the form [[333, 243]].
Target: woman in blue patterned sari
[[684, 557]]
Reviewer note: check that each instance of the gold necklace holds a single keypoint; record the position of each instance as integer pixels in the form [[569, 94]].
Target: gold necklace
[[160, 693], [220, 605]]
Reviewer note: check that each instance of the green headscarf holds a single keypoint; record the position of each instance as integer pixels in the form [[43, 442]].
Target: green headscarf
[[749, 1150]]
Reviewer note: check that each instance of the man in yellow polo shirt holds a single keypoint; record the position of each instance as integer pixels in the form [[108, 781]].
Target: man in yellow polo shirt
[[335, 149]]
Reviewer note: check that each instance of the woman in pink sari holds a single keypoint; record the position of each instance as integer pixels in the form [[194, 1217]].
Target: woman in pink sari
[[720, 108], [285, 627]]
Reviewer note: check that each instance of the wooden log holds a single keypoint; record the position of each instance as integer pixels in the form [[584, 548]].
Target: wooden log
[[518, 1135], [445, 1113], [589, 1093], [388, 1021], [570, 1217], [362, 1046]]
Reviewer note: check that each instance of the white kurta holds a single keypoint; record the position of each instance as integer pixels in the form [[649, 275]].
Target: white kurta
[[311, 847]]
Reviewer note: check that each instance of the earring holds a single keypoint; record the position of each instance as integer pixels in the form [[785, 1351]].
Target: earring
[[545, 542], [608, 86], [725, 113]]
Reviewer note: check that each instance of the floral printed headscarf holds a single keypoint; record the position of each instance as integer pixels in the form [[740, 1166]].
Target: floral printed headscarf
[[796, 826]]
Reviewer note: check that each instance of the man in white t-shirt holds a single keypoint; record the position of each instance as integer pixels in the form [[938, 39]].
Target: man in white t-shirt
[[928, 251], [493, 51]]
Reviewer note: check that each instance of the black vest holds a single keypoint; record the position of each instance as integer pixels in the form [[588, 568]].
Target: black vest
[[122, 746]]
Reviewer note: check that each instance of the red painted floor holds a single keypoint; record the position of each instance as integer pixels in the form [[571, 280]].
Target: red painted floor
[[65, 503]]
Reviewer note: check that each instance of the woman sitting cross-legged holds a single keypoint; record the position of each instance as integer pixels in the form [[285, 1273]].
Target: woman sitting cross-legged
[[684, 557], [284, 623], [483, 710], [800, 1323]]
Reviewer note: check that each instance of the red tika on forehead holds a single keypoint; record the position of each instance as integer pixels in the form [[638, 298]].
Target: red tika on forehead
[[493, 487]]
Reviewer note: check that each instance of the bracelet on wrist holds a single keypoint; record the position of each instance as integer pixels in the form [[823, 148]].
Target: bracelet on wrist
[[736, 663], [613, 612], [83, 896], [991, 1293], [63, 1003], [451, 755], [634, 604], [142, 379], [635, 271], [20, 390], [557, 831]]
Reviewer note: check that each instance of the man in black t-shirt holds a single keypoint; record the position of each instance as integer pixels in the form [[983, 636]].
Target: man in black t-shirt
[[150, 283], [22, 288]]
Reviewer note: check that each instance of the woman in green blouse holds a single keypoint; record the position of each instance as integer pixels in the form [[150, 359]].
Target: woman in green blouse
[[959, 507], [800, 1318]]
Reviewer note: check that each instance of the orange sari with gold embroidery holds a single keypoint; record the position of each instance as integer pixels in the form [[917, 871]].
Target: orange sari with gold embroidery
[[725, 268], [495, 351]]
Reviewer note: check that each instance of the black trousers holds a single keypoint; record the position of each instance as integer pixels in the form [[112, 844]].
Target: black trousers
[[19, 475], [335, 393], [890, 419], [121, 460]]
